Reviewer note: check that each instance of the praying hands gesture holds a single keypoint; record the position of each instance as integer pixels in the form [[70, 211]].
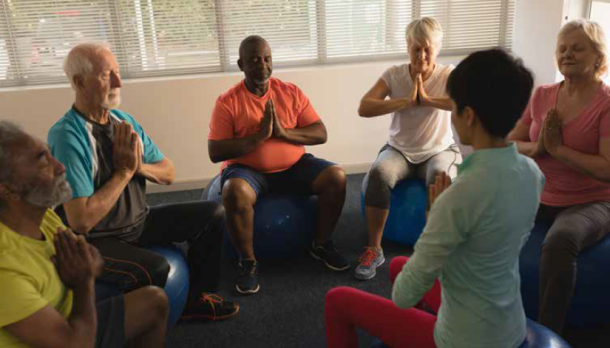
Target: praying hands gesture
[[442, 183], [77, 262], [551, 133]]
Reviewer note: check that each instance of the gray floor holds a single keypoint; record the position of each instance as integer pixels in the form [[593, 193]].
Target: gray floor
[[289, 309]]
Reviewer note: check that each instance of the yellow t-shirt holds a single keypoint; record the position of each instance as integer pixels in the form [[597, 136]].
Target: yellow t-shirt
[[28, 279]]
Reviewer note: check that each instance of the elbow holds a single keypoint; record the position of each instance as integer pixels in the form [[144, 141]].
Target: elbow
[[362, 111], [80, 226]]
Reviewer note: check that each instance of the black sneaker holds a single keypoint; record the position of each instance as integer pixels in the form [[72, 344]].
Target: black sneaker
[[329, 255], [247, 282], [209, 307]]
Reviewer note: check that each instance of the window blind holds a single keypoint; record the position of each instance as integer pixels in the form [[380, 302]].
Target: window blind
[[177, 37]]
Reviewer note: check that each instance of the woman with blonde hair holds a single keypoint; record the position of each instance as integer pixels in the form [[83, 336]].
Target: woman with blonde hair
[[421, 140], [566, 130]]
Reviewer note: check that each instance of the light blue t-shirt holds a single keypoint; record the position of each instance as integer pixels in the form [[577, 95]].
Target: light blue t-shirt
[[471, 243]]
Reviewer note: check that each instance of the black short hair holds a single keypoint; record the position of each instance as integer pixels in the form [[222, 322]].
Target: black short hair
[[496, 85]]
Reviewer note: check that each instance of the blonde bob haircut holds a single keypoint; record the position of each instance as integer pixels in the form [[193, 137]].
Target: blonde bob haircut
[[425, 29], [596, 34]]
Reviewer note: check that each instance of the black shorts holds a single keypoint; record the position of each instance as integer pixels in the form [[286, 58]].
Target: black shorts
[[110, 323]]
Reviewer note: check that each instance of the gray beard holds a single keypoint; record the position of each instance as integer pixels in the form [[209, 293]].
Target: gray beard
[[50, 196]]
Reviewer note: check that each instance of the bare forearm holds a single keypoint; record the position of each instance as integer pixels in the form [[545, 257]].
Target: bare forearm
[[84, 217], [83, 319], [439, 103], [222, 150], [161, 173], [595, 166], [314, 134], [527, 148], [370, 107]]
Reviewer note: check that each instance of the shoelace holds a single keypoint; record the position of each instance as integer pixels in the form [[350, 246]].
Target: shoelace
[[251, 270], [213, 300], [367, 258]]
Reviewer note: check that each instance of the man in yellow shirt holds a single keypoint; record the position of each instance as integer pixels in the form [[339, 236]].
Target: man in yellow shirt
[[47, 273]]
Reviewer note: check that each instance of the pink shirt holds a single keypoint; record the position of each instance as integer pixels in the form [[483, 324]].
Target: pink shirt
[[238, 113], [564, 185]]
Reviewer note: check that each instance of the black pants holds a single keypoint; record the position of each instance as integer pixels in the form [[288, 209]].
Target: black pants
[[200, 224]]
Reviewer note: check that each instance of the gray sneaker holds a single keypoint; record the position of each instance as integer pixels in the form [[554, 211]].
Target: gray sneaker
[[368, 263]]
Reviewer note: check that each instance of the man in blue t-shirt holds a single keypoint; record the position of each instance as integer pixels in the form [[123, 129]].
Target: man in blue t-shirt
[[108, 159]]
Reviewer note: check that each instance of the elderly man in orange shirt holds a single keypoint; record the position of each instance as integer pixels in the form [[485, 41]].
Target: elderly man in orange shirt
[[259, 129]]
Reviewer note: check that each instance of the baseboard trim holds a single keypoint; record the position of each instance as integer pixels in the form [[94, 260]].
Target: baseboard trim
[[196, 184]]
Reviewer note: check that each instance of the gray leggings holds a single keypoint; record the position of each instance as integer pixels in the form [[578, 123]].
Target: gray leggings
[[574, 229], [391, 166]]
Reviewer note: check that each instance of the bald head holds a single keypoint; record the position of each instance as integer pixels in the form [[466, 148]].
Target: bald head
[[251, 41]]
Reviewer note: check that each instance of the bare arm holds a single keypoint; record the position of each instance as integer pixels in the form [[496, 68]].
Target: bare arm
[[595, 166], [47, 328], [521, 136], [161, 173], [84, 213], [222, 150], [374, 103]]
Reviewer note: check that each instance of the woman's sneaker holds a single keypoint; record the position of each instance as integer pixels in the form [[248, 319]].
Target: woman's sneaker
[[368, 263]]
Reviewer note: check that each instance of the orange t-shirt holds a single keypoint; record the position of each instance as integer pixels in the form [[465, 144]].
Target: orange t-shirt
[[238, 113]]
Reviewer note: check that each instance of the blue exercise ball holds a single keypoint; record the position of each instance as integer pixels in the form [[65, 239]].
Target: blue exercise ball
[[590, 304], [283, 223], [176, 288], [537, 336], [407, 216]]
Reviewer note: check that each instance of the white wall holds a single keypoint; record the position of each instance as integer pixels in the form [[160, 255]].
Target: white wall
[[176, 112]]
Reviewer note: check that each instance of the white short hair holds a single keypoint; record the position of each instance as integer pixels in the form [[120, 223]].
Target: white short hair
[[596, 34], [425, 29], [79, 60]]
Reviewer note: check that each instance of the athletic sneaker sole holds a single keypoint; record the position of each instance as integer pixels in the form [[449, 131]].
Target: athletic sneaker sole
[[210, 318], [248, 292], [326, 263]]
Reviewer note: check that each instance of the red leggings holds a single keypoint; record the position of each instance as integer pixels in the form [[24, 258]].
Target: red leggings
[[348, 308]]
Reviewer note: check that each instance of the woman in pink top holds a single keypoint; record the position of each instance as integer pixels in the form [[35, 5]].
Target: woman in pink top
[[566, 129]]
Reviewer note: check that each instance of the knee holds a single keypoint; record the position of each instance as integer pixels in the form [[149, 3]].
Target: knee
[[159, 271], [397, 264], [560, 241], [158, 302], [334, 179], [238, 195], [335, 296], [218, 213], [383, 175]]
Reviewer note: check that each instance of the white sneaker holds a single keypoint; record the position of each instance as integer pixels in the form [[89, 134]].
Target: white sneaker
[[368, 263]]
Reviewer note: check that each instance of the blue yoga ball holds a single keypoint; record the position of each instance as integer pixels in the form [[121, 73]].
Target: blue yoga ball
[[407, 216], [283, 223], [590, 304], [176, 288], [537, 336]]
